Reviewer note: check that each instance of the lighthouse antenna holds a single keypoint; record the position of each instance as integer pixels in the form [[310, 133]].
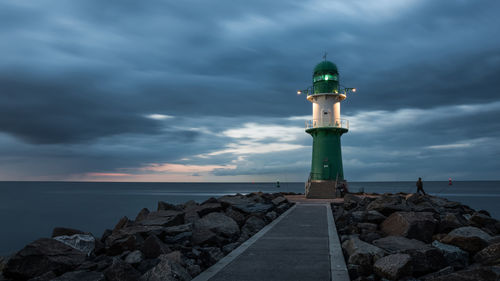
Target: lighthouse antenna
[[324, 56]]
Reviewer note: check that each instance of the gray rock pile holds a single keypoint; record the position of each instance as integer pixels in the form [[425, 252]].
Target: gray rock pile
[[175, 242], [415, 237]]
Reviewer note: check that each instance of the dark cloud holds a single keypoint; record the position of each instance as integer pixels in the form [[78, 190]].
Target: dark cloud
[[78, 79]]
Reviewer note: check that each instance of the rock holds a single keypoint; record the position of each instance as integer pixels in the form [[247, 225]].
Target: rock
[[454, 256], [282, 208], [279, 200], [47, 276], [175, 256], [393, 266], [174, 230], [418, 225], [246, 204], [448, 222], [118, 243], [441, 272], [361, 253], [351, 201], [251, 226], [230, 247], [123, 222], [208, 208], [238, 217], [214, 226], [153, 247], [99, 263], [163, 218], [480, 220], [485, 273], [81, 242], [179, 238], [193, 269], [166, 270], [270, 216], [365, 226], [81, 275], [121, 271], [495, 239], [3, 263], [468, 238], [396, 244], [425, 260], [60, 231], [142, 215], [387, 204], [211, 255], [134, 257], [489, 255], [164, 206], [147, 264], [41, 256], [374, 217], [370, 236]]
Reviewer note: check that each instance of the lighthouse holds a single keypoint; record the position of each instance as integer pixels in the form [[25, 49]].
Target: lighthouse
[[326, 128]]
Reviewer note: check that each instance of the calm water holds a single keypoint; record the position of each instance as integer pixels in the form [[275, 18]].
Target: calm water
[[29, 210]]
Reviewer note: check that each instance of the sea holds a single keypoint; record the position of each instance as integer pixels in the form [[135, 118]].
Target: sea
[[30, 210]]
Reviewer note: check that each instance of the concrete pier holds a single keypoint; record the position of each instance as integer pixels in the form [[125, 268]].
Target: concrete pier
[[302, 244]]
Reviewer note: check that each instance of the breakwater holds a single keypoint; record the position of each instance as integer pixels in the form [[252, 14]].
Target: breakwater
[[175, 242], [415, 237]]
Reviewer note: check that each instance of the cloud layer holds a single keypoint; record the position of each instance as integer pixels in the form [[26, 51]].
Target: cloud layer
[[204, 91]]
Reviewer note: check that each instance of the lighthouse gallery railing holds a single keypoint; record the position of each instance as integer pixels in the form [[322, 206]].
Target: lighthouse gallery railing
[[337, 123]]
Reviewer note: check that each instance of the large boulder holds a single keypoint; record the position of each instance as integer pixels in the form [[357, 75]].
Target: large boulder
[[425, 260], [468, 238], [82, 242], [388, 204], [247, 205], [135, 257], [393, 267], [484, 273], [251, 226], [418, 225], [214, 227], [166, 270], [164, 206], [279, 200], [142, 215], [489, 255], [454, 256], [208, 208], [121, 271], [397, 244], [237, 216], [153, 247], [163, 218], [41, 256], [449, 221], [81, 275], [361, 253]]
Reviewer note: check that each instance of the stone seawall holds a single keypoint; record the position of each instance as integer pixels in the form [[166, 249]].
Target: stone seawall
[[175, 242], [415, 237]]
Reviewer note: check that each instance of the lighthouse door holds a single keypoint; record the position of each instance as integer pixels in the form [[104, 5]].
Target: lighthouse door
[[326, 118]]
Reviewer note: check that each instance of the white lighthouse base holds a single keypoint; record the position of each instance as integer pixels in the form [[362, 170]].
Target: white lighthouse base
[[322, 189]]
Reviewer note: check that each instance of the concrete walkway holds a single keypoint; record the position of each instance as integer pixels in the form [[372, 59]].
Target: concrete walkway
[[300, 245]]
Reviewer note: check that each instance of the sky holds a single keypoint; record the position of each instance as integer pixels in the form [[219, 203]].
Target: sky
[[206, 90]]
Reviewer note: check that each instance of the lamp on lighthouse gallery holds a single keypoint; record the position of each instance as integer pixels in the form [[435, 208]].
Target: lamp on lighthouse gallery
[[326, 179]]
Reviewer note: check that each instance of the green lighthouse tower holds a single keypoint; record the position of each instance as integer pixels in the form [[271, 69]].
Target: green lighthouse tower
[[326, 127]]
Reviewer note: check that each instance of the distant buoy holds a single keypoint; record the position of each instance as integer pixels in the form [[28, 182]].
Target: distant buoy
[[449, 181]]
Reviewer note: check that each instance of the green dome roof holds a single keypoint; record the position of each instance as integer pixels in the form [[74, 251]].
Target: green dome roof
[[325, 67]]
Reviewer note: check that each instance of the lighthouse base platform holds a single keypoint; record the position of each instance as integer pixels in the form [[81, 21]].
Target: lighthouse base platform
[[322, 189]]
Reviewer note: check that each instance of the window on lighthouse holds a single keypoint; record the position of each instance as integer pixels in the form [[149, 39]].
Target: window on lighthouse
[[326, 77]]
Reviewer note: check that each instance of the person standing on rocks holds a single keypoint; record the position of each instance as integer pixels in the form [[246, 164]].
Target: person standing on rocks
[[420, 186]]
